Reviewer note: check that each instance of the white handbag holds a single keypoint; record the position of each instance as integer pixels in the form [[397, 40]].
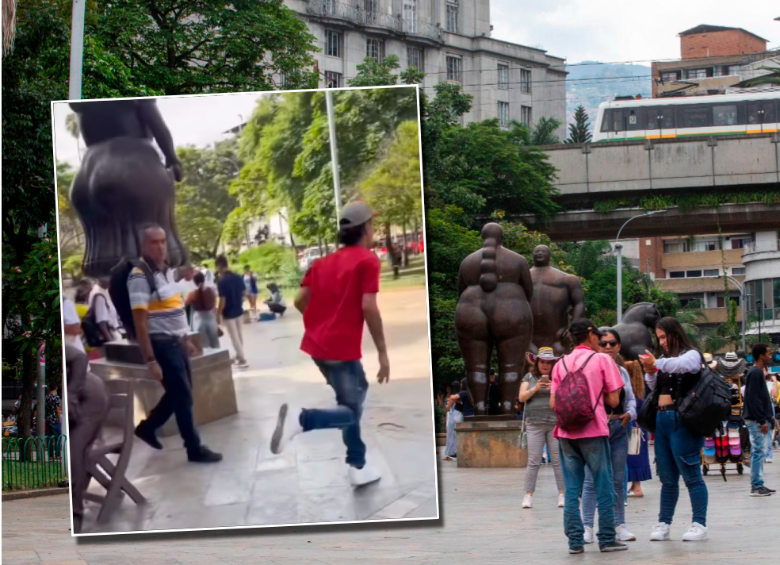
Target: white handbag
[[635, 441]]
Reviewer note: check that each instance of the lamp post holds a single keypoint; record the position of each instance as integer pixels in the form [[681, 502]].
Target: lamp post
[[758, 306], [334, 153], [619, 249], [742, 299], [76, 49]]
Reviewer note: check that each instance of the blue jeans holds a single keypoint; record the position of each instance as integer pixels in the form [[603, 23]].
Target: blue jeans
[[618, 448], [758, 449], [177, 381], [54, 436], [678, 452], [348, 380], [594, 453]]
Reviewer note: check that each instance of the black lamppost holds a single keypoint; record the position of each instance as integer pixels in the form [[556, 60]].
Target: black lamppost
[[758, 305]]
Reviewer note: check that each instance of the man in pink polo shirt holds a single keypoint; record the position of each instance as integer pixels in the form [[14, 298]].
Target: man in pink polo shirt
[[588, 445]]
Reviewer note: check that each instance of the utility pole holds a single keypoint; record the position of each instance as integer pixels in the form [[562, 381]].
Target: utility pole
[[334, 154], [76, 49]]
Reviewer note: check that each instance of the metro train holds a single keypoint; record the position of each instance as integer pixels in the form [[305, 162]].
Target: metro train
[[661, 118]]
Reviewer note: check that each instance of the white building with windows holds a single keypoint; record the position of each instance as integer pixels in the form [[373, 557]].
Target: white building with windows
[[449, 40]]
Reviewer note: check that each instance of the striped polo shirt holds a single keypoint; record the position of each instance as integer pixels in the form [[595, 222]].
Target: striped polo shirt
[[165, 307]]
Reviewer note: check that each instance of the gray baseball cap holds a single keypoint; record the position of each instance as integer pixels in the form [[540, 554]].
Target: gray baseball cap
[[355, 214]]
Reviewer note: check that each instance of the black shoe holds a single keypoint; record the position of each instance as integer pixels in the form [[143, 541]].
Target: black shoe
[[576, 550], [147, 436], [614, 546], [761, 491], [770, 490], [203, 455]]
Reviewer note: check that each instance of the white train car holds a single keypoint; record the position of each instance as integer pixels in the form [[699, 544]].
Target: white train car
[[661, 118]]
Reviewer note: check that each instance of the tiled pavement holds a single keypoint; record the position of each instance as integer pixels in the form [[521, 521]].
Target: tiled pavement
[[308, 483], [482, 522]]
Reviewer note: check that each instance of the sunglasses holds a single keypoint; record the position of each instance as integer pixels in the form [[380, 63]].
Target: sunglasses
[[611, 343]]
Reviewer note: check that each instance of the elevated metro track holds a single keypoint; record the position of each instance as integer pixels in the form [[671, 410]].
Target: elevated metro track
[[590, 225], [593, 172]]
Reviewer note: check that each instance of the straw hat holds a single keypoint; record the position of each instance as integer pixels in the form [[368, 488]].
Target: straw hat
[[711, 363], [544, 353], [731, 365]]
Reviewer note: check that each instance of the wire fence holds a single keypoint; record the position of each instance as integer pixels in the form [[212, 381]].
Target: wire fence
[[32, 463]]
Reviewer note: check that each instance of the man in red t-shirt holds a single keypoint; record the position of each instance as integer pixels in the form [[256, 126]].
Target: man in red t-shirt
[[338, 294]]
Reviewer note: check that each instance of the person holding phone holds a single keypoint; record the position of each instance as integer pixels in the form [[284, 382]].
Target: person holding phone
[[540, 422], [677, 449]]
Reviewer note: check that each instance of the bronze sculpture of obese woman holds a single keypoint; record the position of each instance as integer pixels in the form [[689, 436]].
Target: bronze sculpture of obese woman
[[494, 289]]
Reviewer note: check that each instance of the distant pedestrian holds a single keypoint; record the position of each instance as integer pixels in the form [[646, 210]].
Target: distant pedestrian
[[638, 465], [276, 303], [493, 394], [583, 383], [231, 308], [759, 418], [53, 416], [338, 297], [250, 282], [203, 301], [454, 411]]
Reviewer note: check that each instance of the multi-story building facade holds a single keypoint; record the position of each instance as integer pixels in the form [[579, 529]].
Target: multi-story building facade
[[693, 267], [713, 59], [449, 40]]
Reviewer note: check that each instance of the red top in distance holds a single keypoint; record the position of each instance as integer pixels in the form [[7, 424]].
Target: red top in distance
[[334, 320]]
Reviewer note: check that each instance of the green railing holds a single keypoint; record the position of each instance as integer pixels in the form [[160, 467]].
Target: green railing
[[34, 462]]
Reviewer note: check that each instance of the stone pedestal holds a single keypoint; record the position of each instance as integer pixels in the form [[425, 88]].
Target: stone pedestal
[[123, 351], [212, 385], [490, 443]]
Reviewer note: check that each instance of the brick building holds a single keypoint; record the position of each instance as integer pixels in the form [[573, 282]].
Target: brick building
[[713, 58]]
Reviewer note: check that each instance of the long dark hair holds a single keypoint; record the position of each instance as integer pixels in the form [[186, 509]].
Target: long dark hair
[[535, 367], [676, 338]]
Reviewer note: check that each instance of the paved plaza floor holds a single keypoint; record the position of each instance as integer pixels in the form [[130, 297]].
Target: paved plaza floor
[[482, 522], [308, 483]]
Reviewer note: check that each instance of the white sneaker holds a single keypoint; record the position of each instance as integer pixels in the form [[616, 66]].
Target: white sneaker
[[287, 427], [528, 501], [364, 476], [696, 532], [622, 534], [660, 532], [561, 501], [588, 537]]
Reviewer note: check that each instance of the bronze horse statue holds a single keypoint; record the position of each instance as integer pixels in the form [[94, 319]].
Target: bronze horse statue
[[637, 330]]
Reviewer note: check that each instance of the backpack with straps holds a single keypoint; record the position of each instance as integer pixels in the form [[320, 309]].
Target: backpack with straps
[[573, 410], [90, 326], [707, 404], [120, 294]]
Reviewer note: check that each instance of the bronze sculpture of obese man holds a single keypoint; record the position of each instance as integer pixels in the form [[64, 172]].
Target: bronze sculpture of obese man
[[494, 289]]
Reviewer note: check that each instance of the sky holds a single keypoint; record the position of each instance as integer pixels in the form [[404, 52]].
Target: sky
[[612, 31], [193, 120]]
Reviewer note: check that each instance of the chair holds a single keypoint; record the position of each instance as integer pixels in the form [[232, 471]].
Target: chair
[[112, 476]]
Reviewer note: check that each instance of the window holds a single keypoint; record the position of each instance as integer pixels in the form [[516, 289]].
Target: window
[[692, 274], [677, 275], [696, 73], [711, 272], [333, 43], [375, 49], [414, 58], [670, 76], [329, 7], [761, 113], [525, 81], [452, 16], [738, 271], [732, 70], [454, 70], [659, 117], [694, 117], [503, 114], [410, 16], [710, 245], [739, 242], [635, 119], [724, 115], [672, 247], [332, 79], [369, 11], [503, 76], [525, 115]]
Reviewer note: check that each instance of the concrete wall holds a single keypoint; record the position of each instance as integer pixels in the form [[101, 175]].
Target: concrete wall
[[626, 167]]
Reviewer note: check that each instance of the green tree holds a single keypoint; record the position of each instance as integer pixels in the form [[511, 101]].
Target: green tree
[[772, 77], [394, 189], [543, 133], [579, 131], [204, 46], [380, 73], [203, 200]]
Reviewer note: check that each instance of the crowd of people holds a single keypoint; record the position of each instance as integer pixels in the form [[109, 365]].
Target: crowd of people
[[600, 460]]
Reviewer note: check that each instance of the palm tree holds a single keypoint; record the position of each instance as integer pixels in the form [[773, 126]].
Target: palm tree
[[771, 78], [689, 316], [544, 132], [72, 125], [9, 25]]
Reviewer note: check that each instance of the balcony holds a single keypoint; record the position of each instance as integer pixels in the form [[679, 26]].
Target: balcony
[[761, 251], [352, 14], [698, 259]]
